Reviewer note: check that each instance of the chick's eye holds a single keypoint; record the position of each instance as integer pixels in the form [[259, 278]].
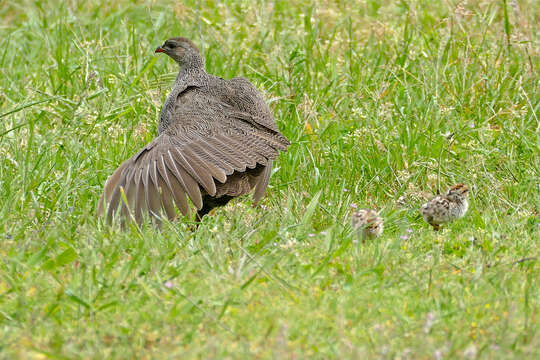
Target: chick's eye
[[170, 45]]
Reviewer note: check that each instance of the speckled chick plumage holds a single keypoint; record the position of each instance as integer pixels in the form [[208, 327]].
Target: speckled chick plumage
[[367, 224], [446, 208]]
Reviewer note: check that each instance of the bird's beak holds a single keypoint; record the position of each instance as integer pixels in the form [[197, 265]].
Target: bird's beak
[[160, 49]]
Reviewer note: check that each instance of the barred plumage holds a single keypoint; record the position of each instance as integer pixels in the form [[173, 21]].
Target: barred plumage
[[216, 140]]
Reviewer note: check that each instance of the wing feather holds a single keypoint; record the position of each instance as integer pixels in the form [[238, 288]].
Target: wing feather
[[262, 184], [150, 193], [208, 167], [188, 183], [196, 170], [227, 154], [109, 188], [166, 198], [238, 152], [254, 156], [206, 151], [201, 146], [176, 188]]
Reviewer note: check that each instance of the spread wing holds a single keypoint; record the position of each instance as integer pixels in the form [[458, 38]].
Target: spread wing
[[186, 160], [247, 98]]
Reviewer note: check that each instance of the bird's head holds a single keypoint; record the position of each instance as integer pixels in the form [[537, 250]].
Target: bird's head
[[368, 221], [183, 51], [375, 227], [458, 192]]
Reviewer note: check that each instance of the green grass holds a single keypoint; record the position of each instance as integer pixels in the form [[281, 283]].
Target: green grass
[[398, 96]]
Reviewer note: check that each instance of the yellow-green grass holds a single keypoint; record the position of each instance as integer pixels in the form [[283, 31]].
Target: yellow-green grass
[[382, 101]]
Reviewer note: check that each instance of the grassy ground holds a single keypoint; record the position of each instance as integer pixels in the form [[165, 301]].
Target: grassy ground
[[378, 99]]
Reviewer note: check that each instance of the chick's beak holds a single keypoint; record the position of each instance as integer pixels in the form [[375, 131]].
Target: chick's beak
[[160, 49]]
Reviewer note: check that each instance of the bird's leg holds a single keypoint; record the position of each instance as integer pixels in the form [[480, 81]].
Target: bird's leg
[[436, 227], [198, 218], [207, 206], [193, 226]]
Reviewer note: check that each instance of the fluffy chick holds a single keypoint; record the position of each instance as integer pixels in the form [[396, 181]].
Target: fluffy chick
[[446, 208], [367, 223]]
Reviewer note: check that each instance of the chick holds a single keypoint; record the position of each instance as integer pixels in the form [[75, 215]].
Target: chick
[[446, 208], [367, 223]]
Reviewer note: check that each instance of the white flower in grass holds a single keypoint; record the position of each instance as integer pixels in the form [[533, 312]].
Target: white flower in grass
[[470, 352]]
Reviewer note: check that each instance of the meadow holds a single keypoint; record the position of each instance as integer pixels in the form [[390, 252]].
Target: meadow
[[384, 103]]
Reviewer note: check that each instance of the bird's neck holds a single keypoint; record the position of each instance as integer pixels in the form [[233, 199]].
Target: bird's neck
[[193, 66]]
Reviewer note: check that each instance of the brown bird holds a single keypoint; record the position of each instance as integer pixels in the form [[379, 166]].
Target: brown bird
[[446, 208], [216, 140], [367, 224]]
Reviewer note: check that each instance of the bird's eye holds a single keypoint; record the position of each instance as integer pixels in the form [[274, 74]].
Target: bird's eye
[[170, 44]]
